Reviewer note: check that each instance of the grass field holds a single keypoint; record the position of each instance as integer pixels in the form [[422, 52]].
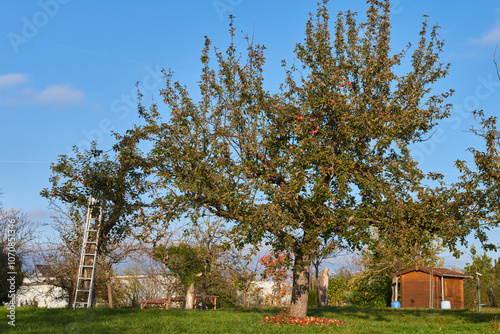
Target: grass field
[[361, 320]]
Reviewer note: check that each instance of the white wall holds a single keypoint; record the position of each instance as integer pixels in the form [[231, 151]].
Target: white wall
[[45, 295]]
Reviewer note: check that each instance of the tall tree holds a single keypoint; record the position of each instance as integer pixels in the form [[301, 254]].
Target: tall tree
[[326, 157]]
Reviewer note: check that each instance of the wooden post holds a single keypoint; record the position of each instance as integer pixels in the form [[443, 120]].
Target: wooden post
[[478, 292], [397, 288], [442, 288], [431, 293]]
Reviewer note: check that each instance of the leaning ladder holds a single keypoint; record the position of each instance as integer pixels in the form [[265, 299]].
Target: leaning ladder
[[86, 271]]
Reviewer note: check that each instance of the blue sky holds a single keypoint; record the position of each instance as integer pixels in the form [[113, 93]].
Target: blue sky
[[69, 69]]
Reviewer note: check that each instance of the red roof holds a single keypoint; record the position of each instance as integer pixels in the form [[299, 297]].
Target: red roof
[[433, 271]]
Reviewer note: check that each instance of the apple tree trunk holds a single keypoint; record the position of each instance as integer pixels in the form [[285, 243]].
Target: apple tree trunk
[[300, 286]]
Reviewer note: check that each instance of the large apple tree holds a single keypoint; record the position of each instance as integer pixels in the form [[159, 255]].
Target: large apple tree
[[326, 157]]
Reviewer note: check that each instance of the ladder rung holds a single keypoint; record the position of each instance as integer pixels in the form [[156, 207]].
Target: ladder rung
[[89, 254], [85, 278]]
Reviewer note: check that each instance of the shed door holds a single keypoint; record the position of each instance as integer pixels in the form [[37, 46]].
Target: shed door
[[415, 288]]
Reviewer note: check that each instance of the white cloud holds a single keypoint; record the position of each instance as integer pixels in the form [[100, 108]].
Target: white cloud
[[12, 80], [15, 92], [490, 37], [59, 95]]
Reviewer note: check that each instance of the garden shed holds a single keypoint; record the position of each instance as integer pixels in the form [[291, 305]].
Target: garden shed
[[426, 287]]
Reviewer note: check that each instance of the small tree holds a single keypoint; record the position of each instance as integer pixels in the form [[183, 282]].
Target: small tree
[[187, 263], [372, 286], [490, 279], [11, 275], [62, 254], [275, 268], [16, 234], [242, 272]]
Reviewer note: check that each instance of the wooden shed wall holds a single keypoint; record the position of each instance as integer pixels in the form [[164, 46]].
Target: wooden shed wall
[[454, 291], [416, 287]]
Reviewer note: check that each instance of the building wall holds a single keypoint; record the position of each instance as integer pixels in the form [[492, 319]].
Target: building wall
[[416, 288], [33, 292]]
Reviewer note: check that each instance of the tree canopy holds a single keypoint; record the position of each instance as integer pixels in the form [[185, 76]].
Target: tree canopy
[[117, 183], [324, 158], [327, 156]]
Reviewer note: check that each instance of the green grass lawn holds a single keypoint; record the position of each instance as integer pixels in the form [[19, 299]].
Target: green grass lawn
[[361, 320]]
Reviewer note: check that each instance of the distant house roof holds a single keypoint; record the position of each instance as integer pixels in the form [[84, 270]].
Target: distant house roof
[[433, 271]]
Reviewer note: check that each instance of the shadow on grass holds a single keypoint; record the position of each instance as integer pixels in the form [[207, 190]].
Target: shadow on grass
[[66, 320], [397, 315], [267, 310]]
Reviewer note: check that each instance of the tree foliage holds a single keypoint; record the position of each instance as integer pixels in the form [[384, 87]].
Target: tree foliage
[[11, 276], [327, 156], [489, 281], [117, 183], [183, 260], [275, 269], [481, 183]]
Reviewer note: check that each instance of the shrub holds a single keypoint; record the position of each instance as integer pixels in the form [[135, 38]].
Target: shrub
[[337, 290], [369, 292], [312, 300]]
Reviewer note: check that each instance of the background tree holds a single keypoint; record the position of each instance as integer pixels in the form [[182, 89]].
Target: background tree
[[490, 280], [329, 248], [62, 254], [8, 264], [372, 285], [243, 271], [185, 262], [114, 255], [16, 235], [116, 183], [26, 230], [326, 157]]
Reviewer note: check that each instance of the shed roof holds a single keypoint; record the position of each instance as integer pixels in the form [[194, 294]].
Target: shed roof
[[433, 271]]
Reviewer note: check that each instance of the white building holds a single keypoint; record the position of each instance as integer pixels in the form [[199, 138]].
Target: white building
[[35, 291]]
